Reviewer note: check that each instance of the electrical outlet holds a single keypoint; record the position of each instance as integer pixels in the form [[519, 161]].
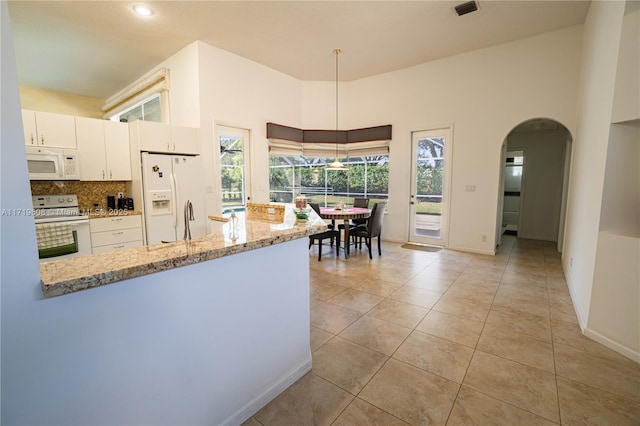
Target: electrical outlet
[[484, 238], [571, 261], [120, 194]]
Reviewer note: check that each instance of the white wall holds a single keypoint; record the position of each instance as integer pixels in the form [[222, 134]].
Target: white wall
[[484, 94], [196, 345], [626, 103], [201, 344], [184, 86], [598, 71], [620, 212], [542, 186], [237, 92], [19, 269], [614, 317]]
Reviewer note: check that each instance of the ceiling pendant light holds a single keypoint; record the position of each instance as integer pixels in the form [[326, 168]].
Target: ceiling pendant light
[[336, 165]]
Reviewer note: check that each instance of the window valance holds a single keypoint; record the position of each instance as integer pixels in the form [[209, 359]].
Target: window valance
[[143, 88], [291, 141]]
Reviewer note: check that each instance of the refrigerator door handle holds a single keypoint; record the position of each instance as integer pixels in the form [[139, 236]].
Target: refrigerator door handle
[[174, 201]]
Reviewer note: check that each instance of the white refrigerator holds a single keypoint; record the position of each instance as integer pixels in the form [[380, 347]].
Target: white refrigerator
[[168, 181]]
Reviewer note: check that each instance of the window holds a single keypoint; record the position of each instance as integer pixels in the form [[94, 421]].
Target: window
[[367, 176], [147, 110], [234, 177]]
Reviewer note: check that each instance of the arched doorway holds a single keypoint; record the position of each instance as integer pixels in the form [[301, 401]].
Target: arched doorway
[[535, 159]]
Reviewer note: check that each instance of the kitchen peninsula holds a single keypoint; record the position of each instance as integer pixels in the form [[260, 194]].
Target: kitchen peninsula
[[207, 332], [80, 273]]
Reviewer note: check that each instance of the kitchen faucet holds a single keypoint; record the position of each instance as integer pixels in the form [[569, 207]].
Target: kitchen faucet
[[188, 216]]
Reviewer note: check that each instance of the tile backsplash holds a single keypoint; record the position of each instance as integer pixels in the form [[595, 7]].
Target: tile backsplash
[[89, 193]]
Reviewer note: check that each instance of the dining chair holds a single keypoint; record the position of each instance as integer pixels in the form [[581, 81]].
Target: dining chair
[[372, 229], [357, 202], [329, 233]]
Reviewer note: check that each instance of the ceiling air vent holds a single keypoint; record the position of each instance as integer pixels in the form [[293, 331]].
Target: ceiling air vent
[[468, 7]]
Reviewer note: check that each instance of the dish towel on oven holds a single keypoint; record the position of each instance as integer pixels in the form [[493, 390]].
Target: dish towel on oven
[[51, 235]]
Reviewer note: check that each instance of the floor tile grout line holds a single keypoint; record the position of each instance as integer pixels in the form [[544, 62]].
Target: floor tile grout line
[[414, 328], [511, 404], [475, 349]]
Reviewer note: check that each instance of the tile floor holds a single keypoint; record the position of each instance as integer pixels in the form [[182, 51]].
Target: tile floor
[[452, 338]]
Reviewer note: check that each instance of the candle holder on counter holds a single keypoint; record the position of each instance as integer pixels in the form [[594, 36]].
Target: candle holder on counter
[[301, 202]]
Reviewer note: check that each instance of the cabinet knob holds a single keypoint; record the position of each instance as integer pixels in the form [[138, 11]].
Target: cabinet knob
[[103, 174], [41, 139], [110, 174]]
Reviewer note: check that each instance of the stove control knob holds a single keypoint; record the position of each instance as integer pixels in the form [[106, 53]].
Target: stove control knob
[[69, 199], [60, 200]]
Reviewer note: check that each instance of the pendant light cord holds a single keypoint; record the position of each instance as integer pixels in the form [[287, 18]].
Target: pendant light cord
[[337, 52]]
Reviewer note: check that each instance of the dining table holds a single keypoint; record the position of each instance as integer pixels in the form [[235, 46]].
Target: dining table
[[345, 214]]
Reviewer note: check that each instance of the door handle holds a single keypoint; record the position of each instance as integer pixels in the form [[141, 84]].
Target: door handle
[[411, 203]]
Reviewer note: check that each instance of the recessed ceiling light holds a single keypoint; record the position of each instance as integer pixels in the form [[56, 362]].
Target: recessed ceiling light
[[143, 10]]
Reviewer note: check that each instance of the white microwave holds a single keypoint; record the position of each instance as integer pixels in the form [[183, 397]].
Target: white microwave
[[52, 164]]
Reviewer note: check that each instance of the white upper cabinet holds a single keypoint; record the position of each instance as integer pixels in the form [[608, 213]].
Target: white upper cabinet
[[46, 129], [117, 149], [103, 149], [164, 138], [185, 140]]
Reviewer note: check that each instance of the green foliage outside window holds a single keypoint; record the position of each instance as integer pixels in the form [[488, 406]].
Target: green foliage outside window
[[366, 176]]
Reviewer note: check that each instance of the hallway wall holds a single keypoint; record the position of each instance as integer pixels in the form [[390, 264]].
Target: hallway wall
[[542, 184]]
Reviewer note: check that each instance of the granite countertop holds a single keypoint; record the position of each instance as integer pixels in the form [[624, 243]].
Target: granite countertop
[[84, 272]]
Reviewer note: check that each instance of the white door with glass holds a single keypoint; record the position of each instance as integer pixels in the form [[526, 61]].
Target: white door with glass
[[430, 177], [235, 184]]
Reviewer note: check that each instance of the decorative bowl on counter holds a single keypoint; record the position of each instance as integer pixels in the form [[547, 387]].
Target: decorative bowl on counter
[[302, 214]]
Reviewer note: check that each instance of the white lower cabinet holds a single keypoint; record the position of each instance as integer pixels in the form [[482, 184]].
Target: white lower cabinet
[[115, 233]]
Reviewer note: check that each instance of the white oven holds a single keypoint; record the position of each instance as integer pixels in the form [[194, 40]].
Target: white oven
[[52, 164], [61, 232]]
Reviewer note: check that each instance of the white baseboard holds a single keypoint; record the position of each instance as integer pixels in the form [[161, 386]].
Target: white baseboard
[[252, 407], [472, 250], [613, 345], [594, 335], [574, 299]]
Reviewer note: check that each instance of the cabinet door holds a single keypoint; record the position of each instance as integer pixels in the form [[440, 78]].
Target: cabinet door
[[91, 153], [116, 236], [185, 140], [56, 130], [154, 137], [116, 144], [29, 126]]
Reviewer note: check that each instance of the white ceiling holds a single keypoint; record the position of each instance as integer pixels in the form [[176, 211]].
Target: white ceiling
[[95, 48]]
